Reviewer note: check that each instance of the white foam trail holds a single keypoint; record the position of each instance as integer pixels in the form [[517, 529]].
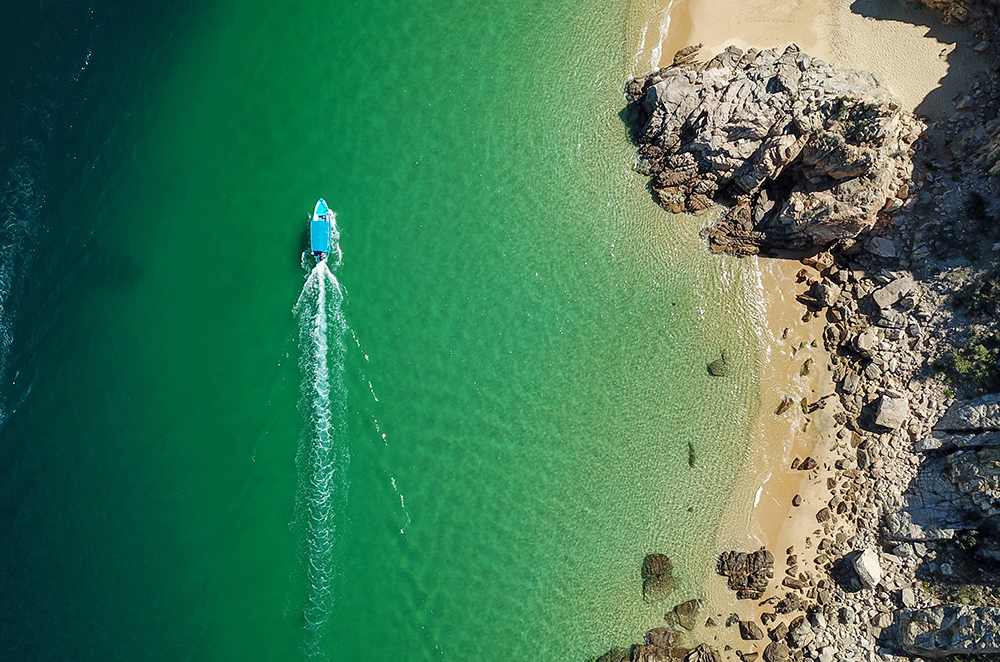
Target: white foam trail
[[378, 430], [642, 47], [20, 210], [760, 490], [664, 30], [323, 453], [402, 503]]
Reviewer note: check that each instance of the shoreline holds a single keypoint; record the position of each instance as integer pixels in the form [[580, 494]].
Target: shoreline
[[762, 511], [923, 67], [760, 507]]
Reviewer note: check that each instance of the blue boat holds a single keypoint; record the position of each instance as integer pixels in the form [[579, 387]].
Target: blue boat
[[320, 229]]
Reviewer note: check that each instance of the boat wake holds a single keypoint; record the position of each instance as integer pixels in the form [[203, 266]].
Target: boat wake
[[323, 456]]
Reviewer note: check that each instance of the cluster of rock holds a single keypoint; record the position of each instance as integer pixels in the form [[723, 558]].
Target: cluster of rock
[[747, 573], [807, 154], [915, 486], [884, 496], [844, 597], [907, 543], [906, 476], [666, 643]]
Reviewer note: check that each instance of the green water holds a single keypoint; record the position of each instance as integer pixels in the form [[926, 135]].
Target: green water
[[525, 367]]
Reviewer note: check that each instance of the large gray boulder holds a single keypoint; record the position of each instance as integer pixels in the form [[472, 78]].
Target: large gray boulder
[[979, 415], [801, 634], [950, 630], [807, 153], [867, 341], [889, 294], [893, 410], [868, 568]]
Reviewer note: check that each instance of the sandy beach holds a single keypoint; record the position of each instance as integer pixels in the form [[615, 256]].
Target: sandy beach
[[761, 511], [926, 65], [923, 62]]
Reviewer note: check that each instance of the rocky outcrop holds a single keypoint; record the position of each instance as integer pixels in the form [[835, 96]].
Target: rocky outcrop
[[948, 630], [979, 141], [807, 155], [958, 488], [748, 573], [972, 417], [979, 15]]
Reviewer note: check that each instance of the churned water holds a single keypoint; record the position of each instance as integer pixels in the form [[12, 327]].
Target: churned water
[[512, 354], [324, 450]]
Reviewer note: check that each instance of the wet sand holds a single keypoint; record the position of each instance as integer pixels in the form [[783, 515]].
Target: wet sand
[[760, 511]]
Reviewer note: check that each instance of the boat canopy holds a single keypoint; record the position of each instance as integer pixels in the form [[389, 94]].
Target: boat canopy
[[320, 230], [320, 236]]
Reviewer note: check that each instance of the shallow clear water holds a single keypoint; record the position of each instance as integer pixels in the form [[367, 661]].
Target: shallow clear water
[[525, 355]]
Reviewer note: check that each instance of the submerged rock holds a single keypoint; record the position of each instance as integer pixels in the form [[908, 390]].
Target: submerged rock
[[614, 655], [662, 645], [687, 613], [720, 366], [807, 154], [657, 577]]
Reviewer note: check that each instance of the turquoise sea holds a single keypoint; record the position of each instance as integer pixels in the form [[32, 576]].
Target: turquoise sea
[[463, 452]]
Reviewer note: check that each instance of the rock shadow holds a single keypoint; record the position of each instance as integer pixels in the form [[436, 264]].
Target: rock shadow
[[939, 101], [843, 574], [958, 113], [950, 515]]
